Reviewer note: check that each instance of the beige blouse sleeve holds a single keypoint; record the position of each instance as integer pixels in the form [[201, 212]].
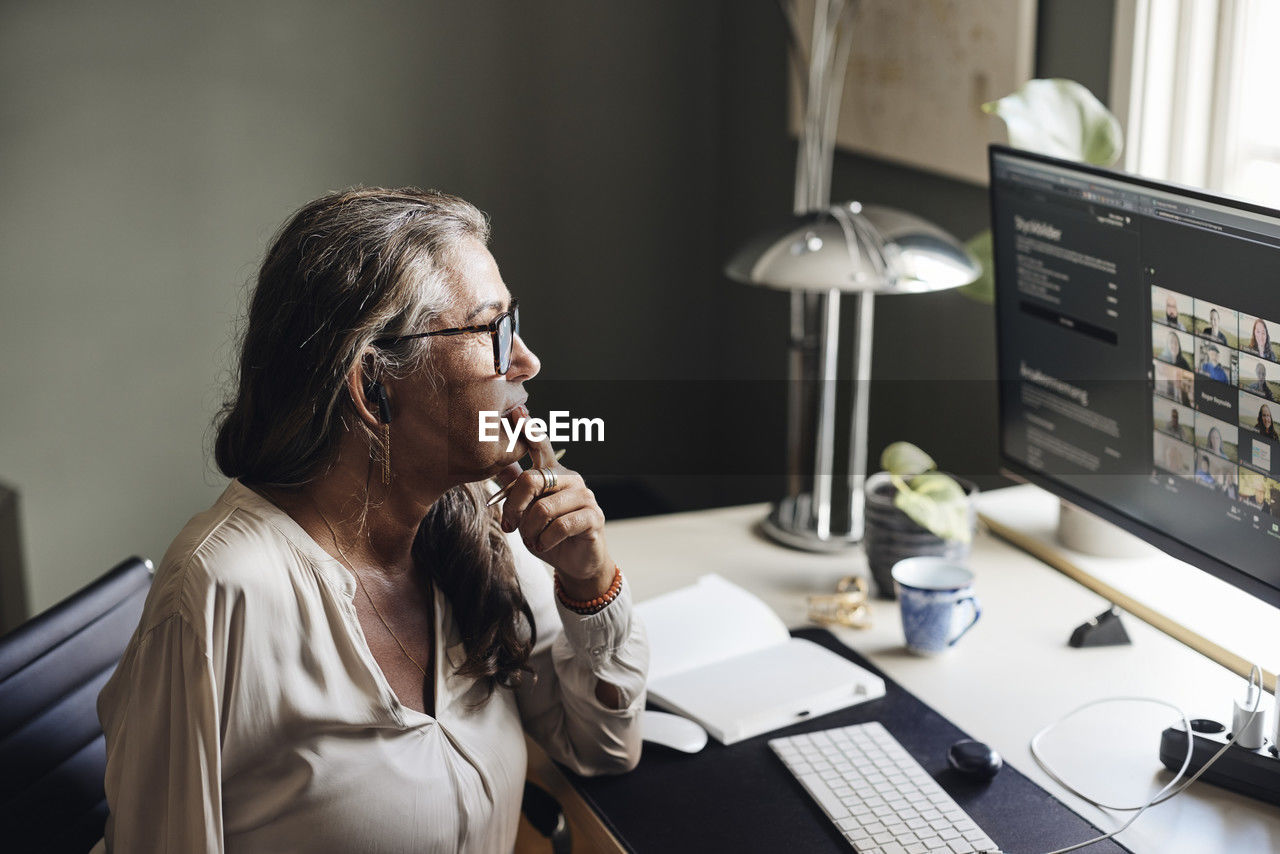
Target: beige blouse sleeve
[[164, 774], [572, 652]]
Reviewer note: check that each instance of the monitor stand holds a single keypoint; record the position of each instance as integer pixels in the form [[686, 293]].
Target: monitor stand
[[1083, 532]]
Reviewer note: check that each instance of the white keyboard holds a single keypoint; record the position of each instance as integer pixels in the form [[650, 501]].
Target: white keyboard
[[877, 795]]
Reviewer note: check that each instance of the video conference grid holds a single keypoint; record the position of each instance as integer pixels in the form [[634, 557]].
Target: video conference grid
[[1210, 361]]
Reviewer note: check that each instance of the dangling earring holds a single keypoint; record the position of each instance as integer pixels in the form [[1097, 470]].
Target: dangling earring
[[386, 455]]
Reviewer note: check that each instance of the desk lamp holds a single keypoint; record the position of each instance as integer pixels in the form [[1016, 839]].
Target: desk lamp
[[821, 252]]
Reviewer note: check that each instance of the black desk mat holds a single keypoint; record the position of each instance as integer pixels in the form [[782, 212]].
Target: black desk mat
[[741, 798]]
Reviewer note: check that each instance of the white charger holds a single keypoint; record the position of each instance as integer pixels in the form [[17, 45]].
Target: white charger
[[1249, 721]]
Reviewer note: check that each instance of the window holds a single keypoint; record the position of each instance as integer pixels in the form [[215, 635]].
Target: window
[[1193, 84]]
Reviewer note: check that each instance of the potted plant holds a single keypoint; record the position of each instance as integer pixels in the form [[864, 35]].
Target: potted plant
[[913, 509]]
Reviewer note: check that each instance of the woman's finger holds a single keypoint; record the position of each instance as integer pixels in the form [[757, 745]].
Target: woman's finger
[[522, 492], [546, 508], [576, 523]]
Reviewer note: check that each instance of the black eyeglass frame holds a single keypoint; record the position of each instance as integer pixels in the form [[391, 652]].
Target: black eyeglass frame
[[493, 327]]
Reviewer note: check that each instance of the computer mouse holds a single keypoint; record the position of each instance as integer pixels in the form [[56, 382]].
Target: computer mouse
[[672, 731], [974, 759]]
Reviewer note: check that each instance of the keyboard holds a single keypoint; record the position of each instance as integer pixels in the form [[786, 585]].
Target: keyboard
[[879, 797]]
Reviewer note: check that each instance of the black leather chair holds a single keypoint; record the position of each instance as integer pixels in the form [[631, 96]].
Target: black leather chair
[[52, 752]]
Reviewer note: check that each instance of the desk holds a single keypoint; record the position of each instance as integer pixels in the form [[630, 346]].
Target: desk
[[1010, 676]]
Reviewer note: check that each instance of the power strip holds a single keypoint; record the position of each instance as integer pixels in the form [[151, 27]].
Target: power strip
[[1255, 773]]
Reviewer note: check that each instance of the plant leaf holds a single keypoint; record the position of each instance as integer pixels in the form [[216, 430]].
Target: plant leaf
[[983, 288], [904, 458], [948, 520], [1060, 118], [937, 487]]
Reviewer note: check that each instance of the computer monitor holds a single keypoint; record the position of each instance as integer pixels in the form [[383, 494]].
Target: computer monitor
[[1138, 339]]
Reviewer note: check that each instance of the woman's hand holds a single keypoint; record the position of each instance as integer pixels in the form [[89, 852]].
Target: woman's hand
[[564, 526]]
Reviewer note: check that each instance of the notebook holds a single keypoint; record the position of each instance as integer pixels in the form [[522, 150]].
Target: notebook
[[720, 656]]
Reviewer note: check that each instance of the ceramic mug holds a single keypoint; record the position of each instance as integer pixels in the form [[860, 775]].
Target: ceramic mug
[[936, 596]]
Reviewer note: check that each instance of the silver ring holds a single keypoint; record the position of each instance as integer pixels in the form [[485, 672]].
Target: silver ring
[[546, 482], [554, 479]]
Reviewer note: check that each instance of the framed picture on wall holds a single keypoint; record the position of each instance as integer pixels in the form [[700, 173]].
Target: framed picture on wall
[[918, 74]]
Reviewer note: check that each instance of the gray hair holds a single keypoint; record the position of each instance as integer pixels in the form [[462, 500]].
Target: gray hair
[[346, 270]]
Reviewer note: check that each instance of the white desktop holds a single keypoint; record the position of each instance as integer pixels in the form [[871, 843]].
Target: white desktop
[[1012, 674]]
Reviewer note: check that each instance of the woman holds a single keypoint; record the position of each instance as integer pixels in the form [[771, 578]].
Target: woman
[[344, 652], [1260, 341], [1264, 425], [1173, 352], [1214, 442]]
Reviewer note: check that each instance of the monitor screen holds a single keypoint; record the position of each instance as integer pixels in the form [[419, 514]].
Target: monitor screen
[[1138, 333]]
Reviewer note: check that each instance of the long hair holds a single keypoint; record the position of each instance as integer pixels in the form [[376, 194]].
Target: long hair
[[1261, 347], [1270, 428], [347, 269]]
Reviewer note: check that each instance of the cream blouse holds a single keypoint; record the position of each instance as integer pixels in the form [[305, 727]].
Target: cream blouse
[[248, 714]]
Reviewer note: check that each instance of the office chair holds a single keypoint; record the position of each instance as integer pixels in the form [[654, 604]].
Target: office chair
[[547, 818], [52, 751]]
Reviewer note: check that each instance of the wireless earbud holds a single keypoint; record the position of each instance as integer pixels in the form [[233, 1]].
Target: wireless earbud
[[379, 395]]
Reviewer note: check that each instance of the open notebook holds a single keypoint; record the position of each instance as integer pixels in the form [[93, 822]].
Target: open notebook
[[722, 658]]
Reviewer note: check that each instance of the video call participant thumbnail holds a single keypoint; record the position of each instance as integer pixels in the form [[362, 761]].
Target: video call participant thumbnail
[[1172, 347], [1224, 477], [1202, 474], [1259, 377], [1217, 437], [1216, 323], [1172, 456], [1259, 340], [1257, 416], [1172, 309], [1177, 421], [1173, 384], [1210, 365], [1253, 488]]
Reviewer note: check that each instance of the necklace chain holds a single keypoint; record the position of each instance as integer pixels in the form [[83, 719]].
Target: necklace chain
[[347, 561]]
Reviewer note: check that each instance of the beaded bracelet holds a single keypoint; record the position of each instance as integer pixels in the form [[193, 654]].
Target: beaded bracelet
[[596, 604]]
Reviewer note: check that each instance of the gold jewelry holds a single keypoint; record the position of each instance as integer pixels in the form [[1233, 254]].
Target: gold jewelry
[[386, 455], [846, 607], [347, 561]]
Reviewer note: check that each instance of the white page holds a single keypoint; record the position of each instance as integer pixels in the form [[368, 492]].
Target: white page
[[706, 622]]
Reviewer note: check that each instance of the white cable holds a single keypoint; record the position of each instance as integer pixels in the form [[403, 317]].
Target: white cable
[[1157, 797], [1035, 751]]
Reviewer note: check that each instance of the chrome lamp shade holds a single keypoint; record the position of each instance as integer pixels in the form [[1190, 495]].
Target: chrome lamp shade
[[852, 248], [818, 256]]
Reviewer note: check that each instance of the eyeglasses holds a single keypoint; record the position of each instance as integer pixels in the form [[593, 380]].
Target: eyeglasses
[[504, 328]]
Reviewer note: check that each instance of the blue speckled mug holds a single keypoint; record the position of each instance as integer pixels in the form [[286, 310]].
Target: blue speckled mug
[[936, 596]]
